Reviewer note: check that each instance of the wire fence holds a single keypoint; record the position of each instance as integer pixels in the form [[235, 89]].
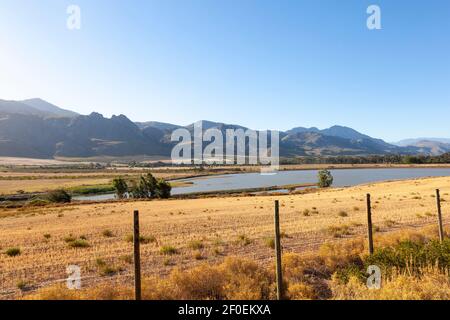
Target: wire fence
[[128, 277]]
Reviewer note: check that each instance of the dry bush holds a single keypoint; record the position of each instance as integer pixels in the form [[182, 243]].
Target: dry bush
[[57, 292], [336, 255], [305, 276], [301, 291], [108, 292], [247, 280], [339, 231], [432, 285], [233, 279]]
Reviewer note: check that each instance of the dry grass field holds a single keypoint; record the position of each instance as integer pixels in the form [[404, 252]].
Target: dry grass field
[[42, 185], [28, 181], [185, 233]]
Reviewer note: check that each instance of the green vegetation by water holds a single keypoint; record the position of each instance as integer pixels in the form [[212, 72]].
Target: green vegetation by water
[[95, 189]]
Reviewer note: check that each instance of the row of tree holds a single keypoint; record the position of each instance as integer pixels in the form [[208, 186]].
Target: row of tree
[[375, 159], [146, 187]]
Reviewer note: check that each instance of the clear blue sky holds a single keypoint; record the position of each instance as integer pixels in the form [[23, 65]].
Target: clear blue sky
[[262, 64]]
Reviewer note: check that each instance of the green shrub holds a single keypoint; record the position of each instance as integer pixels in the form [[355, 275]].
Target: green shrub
[[270, 242], [22, 285], [108, 271], [107, 233], [37, 202], [339, 231], [195, 245], [163, 189], [13, 252], [243, 240], [69, 239], [79, 243], [120, 186], [168, 250], [344, 274], [97, 189], [100, 262], [59, 196], [127, 258], [325, 179], [412, 255], [142, 239], [342, 214], [149, 187]]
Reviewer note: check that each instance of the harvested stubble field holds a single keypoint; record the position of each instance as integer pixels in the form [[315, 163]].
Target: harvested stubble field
[[30, 182], [185, 233]]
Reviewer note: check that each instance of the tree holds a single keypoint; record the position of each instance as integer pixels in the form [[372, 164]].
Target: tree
[[163, 189], [145, 188], [325, 179], [120, 186], [136, 190]]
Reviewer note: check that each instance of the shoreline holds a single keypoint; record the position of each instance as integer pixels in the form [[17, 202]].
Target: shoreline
[[214, 172]]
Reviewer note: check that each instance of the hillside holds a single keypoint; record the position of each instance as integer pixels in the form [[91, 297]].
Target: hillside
[[38, 129], [432, 147], [37, 107]]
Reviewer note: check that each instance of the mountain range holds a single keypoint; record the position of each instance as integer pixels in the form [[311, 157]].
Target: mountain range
[[38, 129], [432, 146]]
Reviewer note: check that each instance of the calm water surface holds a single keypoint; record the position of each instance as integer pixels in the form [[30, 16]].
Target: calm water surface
[[342, 178]]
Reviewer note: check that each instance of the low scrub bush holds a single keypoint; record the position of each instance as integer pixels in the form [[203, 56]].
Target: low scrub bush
[[243, 240], [195, 245], [79, 243], [37, 202], [142, 239], [13, 252], [59, 196], [108, 233], [168, 250], [339, 231]]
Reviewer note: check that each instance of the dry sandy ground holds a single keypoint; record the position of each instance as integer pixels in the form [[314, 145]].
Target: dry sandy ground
[[226, 226]]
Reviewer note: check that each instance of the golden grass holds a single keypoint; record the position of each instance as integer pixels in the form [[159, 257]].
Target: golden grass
[[431, 285], [309, 276], [42, 185], [29, 182], [217, 222]]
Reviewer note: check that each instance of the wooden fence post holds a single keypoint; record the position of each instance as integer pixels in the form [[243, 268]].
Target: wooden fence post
[[278, 252], [137, 257], [369, 224], [441, 229]]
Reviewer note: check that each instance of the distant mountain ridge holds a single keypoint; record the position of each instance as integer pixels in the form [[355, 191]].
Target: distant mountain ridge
[[38, 129], [49, 108], [36, 107], [411, 142], [432, 146]]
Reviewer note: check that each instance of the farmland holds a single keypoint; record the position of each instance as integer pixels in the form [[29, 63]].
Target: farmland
[[186, 233]]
